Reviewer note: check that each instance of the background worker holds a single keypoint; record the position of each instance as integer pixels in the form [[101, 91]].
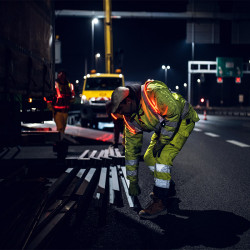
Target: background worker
[[153, 107], [60, 104]]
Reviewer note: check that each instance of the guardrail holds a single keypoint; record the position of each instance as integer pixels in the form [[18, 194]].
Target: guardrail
[[238, 112]]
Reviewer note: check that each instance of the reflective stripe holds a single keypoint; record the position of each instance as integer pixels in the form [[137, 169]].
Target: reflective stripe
[[162, 122], [170, 124], [131, 172], [136, 125], [115, 118], [57, 90], [132, 162], [149, 104], [131, 127], [185, 110], [162, 168], [165, 132], [162, 183], [151, 168], [61, 107], [157, 127]]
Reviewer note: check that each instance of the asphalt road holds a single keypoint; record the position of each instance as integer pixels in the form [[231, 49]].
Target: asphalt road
[[211, 207]]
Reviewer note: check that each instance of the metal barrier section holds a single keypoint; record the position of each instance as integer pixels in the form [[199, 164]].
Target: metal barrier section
[[92, 177]]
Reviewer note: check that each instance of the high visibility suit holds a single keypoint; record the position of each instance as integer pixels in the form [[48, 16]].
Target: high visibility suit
[[171, 117], [60, 105]]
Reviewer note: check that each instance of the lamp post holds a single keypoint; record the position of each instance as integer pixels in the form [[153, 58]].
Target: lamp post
[[97, 56], [166, 71], [93, 22]]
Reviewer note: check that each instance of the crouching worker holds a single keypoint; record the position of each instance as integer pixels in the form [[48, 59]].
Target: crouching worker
[[153, 107]]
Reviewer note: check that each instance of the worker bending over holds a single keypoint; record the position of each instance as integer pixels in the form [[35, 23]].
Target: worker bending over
[[153, 107]]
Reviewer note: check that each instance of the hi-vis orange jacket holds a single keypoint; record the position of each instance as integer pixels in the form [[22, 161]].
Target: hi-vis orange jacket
[[160, 111]]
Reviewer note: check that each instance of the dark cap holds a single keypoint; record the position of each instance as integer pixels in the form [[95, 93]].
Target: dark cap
[[118, 95]]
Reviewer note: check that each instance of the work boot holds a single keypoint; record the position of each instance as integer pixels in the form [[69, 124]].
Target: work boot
[[154, 209]]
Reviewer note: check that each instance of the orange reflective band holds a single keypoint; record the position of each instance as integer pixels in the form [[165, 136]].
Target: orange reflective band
[[114, 116], [128, 126], [153, 105], [58, 92], [61, 107]]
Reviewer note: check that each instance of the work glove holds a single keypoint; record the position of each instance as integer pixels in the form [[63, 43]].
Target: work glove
[[134, 189], [158, 148]]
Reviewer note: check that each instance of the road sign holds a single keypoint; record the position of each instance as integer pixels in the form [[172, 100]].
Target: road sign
[[229, 67]]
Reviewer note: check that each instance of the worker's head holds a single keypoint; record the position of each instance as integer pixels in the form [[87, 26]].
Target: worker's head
[[121, 102], [61, 75]]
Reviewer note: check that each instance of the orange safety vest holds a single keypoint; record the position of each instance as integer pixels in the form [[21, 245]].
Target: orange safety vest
[[134, 127], [64, 94]]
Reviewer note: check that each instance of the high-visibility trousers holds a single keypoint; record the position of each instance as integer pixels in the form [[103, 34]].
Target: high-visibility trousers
[[161, 166]]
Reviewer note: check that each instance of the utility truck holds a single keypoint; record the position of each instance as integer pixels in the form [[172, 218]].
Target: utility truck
[[97, 90]]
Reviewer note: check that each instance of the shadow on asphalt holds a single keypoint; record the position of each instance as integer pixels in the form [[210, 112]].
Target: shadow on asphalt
[[179, 229], [209, 228], [182, 228]]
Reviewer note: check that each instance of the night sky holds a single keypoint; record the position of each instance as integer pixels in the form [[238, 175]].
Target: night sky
[[141, 46]]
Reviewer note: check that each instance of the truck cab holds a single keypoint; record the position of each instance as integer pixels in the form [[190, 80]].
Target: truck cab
[[97, 90]]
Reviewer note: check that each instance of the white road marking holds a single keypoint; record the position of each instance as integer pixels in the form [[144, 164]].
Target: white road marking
[[240, 144], [237, 143], [197, 129], [211, 134]]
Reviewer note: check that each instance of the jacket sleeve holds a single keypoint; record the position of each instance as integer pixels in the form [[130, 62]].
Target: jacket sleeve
[[72, 90], [168, 108], [133, 145]]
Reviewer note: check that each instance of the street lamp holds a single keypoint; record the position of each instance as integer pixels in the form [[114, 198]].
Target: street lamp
[[93, 22], [98, 55], [166, 71]]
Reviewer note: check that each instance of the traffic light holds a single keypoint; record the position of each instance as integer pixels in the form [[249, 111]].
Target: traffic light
[[202, 100], [237, 79], [219, 80]]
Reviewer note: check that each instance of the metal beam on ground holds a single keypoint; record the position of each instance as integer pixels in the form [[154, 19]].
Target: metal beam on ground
[[49, 227], [125, 187]]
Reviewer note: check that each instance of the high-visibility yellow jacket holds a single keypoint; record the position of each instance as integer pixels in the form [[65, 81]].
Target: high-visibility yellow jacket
[[171, 109]]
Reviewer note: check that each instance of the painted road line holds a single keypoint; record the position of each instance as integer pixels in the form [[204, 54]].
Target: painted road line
[[240, 144], [197, 129], [211, 134]]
